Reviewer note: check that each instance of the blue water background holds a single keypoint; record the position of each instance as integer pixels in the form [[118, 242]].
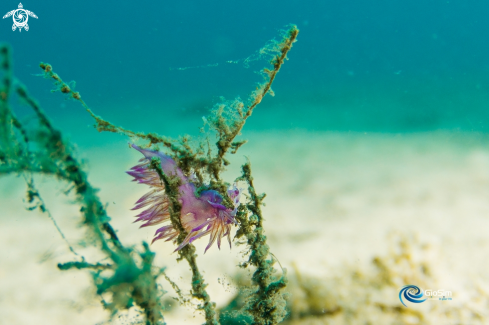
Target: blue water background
[[362, 66]]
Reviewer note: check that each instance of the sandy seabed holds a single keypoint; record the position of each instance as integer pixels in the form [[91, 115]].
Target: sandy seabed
[[334, 202]]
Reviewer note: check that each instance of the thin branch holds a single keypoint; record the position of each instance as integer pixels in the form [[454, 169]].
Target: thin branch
[[84, 265], [33, 195], [188, 251]]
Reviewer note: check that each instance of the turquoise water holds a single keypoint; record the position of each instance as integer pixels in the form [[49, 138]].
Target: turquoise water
[[358, 66]]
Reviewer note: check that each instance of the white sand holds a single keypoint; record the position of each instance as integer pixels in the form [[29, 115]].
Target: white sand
[[332, 199]]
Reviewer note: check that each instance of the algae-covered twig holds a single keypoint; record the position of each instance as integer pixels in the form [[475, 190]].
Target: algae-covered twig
[[36, 202], [228, 134], [188, 251], [84, 265], [267, 305]]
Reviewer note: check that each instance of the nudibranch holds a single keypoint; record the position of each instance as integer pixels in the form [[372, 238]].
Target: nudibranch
[[201, 215]]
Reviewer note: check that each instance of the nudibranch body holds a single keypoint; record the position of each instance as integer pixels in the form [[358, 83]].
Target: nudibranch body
[[200, 215]]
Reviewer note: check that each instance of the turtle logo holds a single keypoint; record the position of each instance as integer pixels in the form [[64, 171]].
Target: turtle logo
[[20, 17]]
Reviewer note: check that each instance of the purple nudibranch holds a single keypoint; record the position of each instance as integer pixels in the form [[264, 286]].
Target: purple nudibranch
[[200, 215]]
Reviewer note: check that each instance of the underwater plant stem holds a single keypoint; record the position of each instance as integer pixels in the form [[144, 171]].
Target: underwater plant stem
[[267, 305], [84, 265], [188, 251], [8, 142], [199, 286], [6, 66], [226, 141], [101, 124], [72, 172], [5, 118], [285, 47], [33, 194]]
